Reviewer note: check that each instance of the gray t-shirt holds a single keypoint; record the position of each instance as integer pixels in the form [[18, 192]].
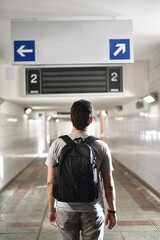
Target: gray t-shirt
[[103, 161]]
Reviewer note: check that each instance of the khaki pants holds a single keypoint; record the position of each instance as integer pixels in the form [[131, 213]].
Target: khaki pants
[[88, 225]]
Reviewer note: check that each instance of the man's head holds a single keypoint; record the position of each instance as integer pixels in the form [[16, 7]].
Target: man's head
[[81, 114]]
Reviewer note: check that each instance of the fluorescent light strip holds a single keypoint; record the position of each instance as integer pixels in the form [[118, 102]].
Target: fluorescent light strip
[[149, 99]]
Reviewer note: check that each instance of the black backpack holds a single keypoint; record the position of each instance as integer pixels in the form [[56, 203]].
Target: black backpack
[[76, 172]]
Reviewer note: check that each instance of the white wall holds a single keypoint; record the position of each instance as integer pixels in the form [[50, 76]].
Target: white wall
[[21, 140], [11, 109], [134, 134], [5, 42], [136, 77], [11, 82], [135, 141], [154, 73]]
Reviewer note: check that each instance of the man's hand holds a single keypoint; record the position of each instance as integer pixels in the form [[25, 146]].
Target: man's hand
[[52, 218], [111, 220]]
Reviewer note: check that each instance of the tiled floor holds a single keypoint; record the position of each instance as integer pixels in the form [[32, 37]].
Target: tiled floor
[[24, 208]]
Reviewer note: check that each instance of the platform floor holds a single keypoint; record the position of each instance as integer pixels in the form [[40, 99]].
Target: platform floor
[[23, 206]]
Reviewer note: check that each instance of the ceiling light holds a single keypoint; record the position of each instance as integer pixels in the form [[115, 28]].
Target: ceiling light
[[153, 97], [27, 110], [49, 117], [104, 113]]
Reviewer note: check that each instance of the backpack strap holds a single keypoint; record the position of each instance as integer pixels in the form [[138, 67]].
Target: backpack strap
[[67, 139], [90, 139]]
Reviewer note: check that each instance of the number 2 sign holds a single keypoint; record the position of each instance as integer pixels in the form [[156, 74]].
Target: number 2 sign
[[33, 81], [115, 79]]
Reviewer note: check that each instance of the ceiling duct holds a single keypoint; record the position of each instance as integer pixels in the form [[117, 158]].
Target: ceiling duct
[[63, 113], [139, 103], [119, 107]]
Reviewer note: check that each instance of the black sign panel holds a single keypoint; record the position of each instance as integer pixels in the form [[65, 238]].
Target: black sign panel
[[115, 79], [74, 80], [33, 81]]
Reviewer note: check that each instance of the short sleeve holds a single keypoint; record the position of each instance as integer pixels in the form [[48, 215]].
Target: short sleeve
[[54, 152], [103, 156], [106, 164]]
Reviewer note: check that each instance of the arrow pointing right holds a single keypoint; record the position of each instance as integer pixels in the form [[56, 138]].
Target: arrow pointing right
[[121, 47]]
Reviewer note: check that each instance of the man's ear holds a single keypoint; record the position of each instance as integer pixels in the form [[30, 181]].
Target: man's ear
[[91, 119], [70, 118]]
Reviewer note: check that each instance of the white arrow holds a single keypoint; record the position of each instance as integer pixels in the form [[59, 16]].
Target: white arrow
[[21, 51], [121, 48]]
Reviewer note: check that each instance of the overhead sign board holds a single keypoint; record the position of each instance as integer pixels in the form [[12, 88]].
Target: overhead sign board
[[74, 80], [72, 42]]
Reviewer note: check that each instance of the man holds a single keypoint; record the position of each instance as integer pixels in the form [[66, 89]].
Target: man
[[85, 218]]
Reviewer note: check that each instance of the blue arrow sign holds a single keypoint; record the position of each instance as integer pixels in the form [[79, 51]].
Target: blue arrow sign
[[119, 49], [24, 51]]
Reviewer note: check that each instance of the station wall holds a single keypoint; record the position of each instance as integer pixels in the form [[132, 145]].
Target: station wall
[[134, 134], [21, 140], [134, 140]]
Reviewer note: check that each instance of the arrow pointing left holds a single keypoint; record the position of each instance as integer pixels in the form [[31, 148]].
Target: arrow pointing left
[[24, 50], [21, 51]]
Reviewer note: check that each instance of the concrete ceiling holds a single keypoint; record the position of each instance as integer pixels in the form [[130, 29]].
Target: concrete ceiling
[[146, 32]]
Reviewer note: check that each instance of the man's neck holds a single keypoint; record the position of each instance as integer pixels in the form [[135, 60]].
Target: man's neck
[[74, 130]]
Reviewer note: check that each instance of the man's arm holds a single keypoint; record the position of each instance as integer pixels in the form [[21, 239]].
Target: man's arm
[[110, 195], [51, 201]]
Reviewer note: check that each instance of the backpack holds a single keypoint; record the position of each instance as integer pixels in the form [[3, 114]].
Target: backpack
[[76, 171]]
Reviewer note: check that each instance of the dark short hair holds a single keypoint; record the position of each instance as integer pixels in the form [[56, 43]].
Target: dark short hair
[[81, 112]]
